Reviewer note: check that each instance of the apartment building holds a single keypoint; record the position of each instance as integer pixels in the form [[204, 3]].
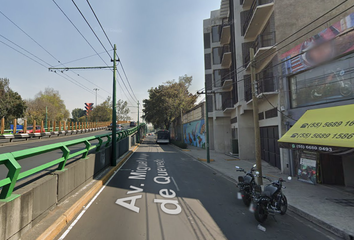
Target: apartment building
[[280, 34]]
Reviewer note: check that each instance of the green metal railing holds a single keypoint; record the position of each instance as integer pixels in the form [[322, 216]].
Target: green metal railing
[[11, 160]]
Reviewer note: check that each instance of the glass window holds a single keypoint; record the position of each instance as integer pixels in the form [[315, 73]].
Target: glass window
[[327, 83], [217, 78], [206, 40], [215, 34], [207, 61], [217, 55]]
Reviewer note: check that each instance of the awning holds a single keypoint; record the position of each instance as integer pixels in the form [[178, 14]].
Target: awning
[[325, 130]]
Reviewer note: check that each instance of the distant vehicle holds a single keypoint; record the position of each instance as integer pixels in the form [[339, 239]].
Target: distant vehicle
[[132, 124], [119, 127], [163, 136], [30, 129]]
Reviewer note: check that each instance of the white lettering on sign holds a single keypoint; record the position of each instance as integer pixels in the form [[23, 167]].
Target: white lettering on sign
[[131, 206], [164, 193]]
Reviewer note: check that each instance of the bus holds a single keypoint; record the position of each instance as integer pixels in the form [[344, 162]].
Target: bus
[[163, 136]]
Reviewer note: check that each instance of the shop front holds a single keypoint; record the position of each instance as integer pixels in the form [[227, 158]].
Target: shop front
[[322, 142]]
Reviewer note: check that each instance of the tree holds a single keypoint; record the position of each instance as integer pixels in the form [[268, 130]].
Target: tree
[[166, 102], [11, 103], [122, 110], [77, 113], [102, 112], [51, 99]]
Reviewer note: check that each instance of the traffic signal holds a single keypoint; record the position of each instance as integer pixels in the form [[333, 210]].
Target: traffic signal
[[88, 107]]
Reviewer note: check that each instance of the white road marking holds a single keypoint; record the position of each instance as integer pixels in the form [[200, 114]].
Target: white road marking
[[173, 180], [92, 200]]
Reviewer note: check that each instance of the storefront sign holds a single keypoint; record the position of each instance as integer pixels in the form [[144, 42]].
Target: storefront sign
[[325, 129]]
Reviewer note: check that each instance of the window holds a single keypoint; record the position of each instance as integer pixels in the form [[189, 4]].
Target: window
[[217, 78], [206, 40], [261, 116], [327, 83], [216, 33], [217, 54], [210, 103], [207, 61], [272, 113], [208, 80]]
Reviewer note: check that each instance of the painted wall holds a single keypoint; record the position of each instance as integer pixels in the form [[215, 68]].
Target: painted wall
[[194, 133]]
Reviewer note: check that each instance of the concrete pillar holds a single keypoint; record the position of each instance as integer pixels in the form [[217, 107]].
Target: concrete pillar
[[25, 126], [2, 125], [15, 124]]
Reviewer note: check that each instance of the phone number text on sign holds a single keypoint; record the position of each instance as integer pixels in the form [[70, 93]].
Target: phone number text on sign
[[323, 135], [313, 148], [328, 124]]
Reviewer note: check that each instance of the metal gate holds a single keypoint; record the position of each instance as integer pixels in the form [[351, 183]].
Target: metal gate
[[269, 145]]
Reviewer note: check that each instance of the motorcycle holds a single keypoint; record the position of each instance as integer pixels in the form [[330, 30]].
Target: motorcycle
[[246, 184], [271, 201]]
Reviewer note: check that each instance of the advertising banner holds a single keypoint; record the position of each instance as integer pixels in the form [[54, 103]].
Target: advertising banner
[[307, 170]]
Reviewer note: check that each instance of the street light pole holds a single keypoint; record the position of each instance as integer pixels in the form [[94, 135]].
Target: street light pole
[[46, 117], [96, 89]]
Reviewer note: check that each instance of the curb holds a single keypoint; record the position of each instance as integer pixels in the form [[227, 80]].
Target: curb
[[52, 231], [318, 222], [322, 224]]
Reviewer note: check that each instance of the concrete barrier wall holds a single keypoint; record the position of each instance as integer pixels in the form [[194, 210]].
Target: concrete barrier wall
[[39, 197]]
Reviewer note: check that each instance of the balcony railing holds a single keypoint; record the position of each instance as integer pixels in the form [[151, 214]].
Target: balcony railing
[[225, 32], [227, 103], [226, 58], [266, 84], [263, 40], [249, 16]]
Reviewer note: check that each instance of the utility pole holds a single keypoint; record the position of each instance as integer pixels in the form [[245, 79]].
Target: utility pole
[[96, 89], [181, 126], [114, 111], [46, 116], [257, 137], [114, 114], [138, 134], [207, 123]]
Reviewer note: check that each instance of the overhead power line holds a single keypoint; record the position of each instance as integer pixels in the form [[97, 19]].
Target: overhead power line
[[120, 61], [77, 7]]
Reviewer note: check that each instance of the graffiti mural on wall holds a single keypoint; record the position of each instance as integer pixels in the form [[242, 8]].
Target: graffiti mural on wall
[[194, 133]]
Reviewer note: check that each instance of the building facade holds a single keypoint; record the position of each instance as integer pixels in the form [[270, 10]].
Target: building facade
[[288, 80]]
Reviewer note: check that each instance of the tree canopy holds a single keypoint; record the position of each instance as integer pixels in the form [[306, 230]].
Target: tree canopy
[[51, 99], [11, 103], [102, 112], [77, 113], [167, 100], [122, 110]]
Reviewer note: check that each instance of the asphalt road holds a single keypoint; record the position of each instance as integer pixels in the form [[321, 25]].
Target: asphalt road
[[162, 193]]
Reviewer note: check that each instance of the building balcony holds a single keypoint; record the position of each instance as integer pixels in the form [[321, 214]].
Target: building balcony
[[257, 17], [264, 50], [246, 4], [265, 85], [228, 105], [226, 57], [225, 34]]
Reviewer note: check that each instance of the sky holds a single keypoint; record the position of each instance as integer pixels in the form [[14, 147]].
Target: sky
[[157, 41]]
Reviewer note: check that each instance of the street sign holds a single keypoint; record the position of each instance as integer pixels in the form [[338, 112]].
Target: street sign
[[88, 107]]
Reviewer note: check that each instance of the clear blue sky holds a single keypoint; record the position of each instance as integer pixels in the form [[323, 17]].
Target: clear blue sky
[[157, 40]]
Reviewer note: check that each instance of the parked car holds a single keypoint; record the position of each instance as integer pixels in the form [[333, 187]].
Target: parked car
[[30, 129]]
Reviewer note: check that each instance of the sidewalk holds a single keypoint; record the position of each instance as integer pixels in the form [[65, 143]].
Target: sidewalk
[[314, 202]]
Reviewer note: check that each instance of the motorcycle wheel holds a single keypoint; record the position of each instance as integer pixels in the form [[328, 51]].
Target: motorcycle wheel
[[283, 205], [246, 198], [260, 213]]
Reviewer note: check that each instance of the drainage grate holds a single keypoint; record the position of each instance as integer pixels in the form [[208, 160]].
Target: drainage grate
[[342, 202]]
